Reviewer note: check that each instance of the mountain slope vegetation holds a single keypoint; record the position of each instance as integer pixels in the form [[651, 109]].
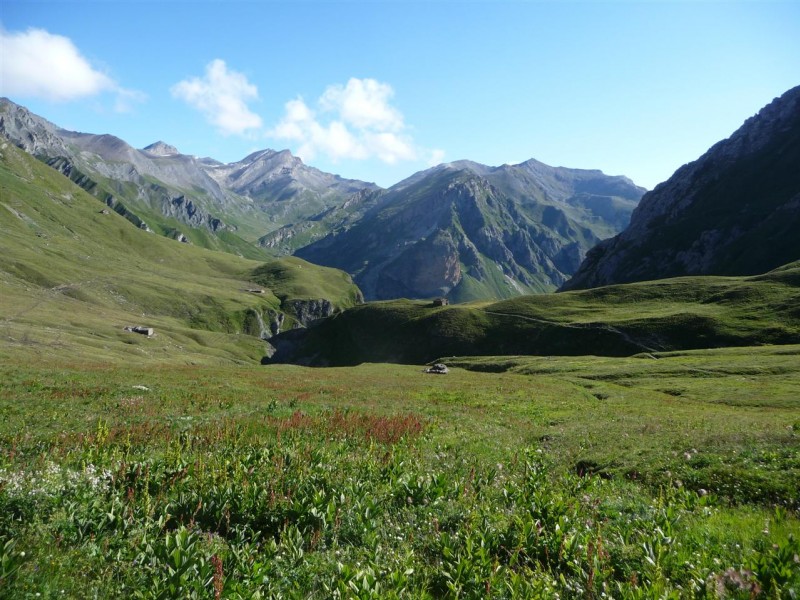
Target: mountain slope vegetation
[[623, 320], [462, 230], [467, 231], [73, 274], [200, 200]]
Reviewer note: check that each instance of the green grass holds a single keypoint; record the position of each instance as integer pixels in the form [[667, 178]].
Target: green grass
[[73, 277], [578, 479], [676, 314]]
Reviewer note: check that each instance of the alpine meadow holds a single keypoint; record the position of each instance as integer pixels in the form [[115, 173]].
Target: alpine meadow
[[256, 379]]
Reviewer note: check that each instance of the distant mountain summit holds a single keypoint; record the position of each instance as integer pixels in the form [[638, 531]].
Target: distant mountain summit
[[162, 190], [161, 149], [465, 230], [285, 187], [733, 211]]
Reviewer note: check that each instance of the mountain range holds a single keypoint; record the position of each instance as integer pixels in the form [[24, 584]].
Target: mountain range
[[71, 269], [461, 230], [464, 230], [74, 274], [733, 211], [211, 204]]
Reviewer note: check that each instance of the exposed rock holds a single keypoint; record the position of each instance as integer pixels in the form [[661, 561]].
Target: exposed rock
[[276, 319], [306, 311], [446, 231], [263, 323], [733, 211], [161, 149], [157, 173]]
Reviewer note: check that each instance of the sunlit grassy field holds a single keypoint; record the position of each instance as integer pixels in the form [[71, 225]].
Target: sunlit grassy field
[[668, 477]]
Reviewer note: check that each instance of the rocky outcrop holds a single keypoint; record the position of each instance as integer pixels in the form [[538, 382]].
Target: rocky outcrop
[[267, 189], [733, 211], [33, 134], [161, 149], [269, 175], [263, 323], [104, 164], [306, 311], [469, 231]]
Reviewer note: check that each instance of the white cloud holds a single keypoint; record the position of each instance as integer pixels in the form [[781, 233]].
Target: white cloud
[[363, 103], [40, 64], [126, 100], [390, 147], [222, 96], [353, 121]]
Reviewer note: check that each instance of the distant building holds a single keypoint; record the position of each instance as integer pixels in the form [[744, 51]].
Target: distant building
[[441, 302]]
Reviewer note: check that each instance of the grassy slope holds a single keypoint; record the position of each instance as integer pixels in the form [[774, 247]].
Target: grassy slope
[[129, 202], [683, 313], [72, 277], [284, 473]]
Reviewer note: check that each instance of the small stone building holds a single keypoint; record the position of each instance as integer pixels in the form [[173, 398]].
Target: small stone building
[[441, 302]]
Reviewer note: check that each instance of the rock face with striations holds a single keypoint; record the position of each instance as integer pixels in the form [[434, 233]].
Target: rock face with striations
[[733, 211], [260, 193], [465, 231], [161, 149]]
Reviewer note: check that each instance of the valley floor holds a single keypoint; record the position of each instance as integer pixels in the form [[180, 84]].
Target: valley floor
[[674, 475]]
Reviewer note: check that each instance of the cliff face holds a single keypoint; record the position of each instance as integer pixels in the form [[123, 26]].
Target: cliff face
[[467, 231], [734, 211]]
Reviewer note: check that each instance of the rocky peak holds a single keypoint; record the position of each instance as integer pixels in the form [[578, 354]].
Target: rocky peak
[[161, 149], [730, 212], [30, 132], [273, 159]]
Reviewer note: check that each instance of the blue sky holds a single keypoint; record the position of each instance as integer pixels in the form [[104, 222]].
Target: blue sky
[[378, 90]]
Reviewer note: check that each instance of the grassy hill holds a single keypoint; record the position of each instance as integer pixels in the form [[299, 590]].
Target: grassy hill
[[74, 274], [622, 320]]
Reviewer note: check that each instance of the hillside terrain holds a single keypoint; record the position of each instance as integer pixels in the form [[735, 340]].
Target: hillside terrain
[[462, 230], [733, 211], [176, 466], [74, 274], [466, 231], [622, 320], [198, 200]]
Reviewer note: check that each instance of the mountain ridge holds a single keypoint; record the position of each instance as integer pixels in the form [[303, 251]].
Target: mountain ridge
[[72, 275], [461, 229], [733, 211], [106, 164], [464, 230]]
